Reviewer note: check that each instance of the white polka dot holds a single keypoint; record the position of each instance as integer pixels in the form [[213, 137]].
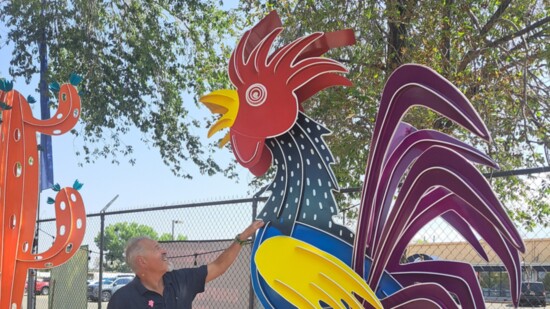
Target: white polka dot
[[296, 200], [306, 119], [330, 224], [290, 190], [314, 192], [291, 173], [275, 210], [289, 158], [289, 216], [315, 217], [307, 181], [326, 195], [308, 130], [320, 182], [304, 215], [307, 162], [331, 209], [307, 202], [322, 146], [286, 205], [312, 151], [317, 140], [320, 205], [318, 128], [319, 166]]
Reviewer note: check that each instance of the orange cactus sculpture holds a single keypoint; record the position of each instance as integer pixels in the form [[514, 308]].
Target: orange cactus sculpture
[[19, 180]]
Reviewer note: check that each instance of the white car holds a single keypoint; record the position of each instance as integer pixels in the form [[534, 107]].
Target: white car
[[108, 289]]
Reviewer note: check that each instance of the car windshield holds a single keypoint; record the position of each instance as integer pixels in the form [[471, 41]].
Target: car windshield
[[532, 286]]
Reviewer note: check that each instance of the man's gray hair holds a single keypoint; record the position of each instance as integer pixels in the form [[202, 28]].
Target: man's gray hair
[[133, 249]]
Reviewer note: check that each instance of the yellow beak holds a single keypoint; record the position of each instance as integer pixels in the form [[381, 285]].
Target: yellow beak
[[226, 103]]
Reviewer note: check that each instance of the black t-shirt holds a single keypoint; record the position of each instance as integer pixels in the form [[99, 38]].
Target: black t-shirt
[[180, 288]]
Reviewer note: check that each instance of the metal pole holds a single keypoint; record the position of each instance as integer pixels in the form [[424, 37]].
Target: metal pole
[[101, 239], [173, 223], [45, 111], [172, 229], [251, 296]]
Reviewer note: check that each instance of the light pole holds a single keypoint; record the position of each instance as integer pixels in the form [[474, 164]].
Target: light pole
[[173, 223]]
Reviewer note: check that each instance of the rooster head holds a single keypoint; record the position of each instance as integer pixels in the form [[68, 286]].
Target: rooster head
[[270, 87]]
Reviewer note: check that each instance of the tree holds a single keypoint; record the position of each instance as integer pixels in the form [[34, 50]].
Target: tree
[[137, 58], [496, 52], [116, 236], [168, 237]]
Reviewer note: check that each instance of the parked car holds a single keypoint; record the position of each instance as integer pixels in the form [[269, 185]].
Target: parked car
[[41, 286], [108, 288], [93, 288], [532, 294]]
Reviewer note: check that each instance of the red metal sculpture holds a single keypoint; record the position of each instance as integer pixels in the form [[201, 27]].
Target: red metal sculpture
[[19, 180]]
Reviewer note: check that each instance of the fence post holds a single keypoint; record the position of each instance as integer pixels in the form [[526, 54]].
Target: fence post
[[256, 197], [102, 231]]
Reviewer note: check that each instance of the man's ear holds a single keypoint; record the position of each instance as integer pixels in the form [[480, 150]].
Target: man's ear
[[141, 260]]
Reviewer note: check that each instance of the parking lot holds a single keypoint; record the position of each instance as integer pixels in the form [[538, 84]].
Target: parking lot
[[42, 303]]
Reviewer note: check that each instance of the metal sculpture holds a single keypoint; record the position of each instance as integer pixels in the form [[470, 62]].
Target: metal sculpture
[[268, 125], [19, 191]]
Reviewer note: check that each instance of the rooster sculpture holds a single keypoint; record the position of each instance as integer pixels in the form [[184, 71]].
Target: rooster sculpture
[[304, 259]]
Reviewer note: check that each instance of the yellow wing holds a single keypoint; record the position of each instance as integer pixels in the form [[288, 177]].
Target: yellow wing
[[305, 275]]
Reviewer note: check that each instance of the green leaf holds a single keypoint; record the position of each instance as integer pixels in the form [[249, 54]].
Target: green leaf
[[56, 187], [31, 99], [5, 106], [5, 85], [77, 185], [75, 79], [50, 201], [54, 86]]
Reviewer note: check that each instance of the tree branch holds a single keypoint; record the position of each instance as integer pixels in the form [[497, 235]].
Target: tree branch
[[472, 54]]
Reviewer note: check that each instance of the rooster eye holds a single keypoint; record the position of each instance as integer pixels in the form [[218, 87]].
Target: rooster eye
[[256, 95]]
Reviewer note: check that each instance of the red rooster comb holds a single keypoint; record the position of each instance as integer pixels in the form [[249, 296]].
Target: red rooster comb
[[297, 64]]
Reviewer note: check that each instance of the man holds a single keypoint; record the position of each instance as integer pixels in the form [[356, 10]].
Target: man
[[156, 285]]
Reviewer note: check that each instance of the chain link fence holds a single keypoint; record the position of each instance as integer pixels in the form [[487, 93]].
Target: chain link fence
[[194, 234]]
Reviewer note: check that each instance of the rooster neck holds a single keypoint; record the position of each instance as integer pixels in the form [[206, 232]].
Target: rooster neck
[[301, 191]]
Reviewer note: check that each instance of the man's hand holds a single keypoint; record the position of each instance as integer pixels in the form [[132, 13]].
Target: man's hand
[[251, 229]]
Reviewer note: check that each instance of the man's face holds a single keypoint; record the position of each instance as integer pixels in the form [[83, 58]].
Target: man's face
[[154, 257]]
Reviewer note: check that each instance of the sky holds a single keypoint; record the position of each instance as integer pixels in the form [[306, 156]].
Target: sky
[[147, 183]]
